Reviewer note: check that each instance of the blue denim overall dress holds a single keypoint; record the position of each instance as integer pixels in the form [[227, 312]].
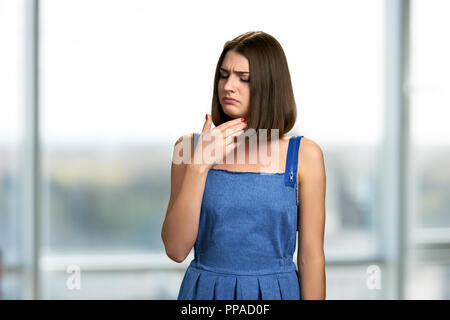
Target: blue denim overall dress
[[247, 236]]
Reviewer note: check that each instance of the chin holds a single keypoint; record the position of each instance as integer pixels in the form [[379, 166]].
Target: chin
[[232, 111]]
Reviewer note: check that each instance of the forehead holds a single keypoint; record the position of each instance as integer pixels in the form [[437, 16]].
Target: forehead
[[235, 61]]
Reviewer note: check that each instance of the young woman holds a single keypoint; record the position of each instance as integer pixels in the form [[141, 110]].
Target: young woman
[[242, 217]]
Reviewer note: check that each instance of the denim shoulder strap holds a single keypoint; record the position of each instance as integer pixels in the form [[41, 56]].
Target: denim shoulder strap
[[290, 175]]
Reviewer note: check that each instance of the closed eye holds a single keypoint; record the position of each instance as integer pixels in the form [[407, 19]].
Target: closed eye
[[224, 77]]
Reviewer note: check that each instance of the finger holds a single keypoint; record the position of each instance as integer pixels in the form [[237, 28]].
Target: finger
[[207, 124], [232, 130], [233, 145], [230, 138]]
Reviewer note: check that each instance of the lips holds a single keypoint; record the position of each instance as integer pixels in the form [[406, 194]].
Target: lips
[[226, 99]]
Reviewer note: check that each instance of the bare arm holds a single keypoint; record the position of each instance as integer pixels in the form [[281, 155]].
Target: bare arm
[[180, 227], [310, 257]]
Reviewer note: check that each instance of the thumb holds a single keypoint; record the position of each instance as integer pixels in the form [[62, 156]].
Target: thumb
[[207, 124]]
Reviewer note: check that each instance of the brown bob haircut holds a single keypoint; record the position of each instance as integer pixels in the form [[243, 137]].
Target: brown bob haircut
[[272, 103]]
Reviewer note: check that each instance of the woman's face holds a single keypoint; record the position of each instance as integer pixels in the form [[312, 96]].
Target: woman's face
[[234, 82]]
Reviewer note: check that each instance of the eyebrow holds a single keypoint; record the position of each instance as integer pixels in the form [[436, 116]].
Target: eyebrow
[[239, 72]]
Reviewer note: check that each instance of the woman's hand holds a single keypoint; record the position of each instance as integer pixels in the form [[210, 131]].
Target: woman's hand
[[218, 138]]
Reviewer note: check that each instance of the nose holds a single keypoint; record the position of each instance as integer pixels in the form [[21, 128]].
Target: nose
[[230, 83]]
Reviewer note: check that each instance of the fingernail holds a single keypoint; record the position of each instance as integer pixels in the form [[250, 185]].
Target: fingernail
[[242, 119], [206, 116]]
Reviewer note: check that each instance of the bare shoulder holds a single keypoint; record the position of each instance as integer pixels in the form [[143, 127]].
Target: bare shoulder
[[185, 141], [310, 158], [188, 137], [309, 148]]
